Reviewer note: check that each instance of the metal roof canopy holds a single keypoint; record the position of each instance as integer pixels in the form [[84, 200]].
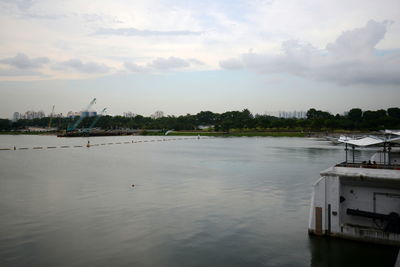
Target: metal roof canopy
[[369, 141], [395, 132], [386, 142]]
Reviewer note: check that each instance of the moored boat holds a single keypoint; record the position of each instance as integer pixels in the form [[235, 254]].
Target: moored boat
[[360, 198]]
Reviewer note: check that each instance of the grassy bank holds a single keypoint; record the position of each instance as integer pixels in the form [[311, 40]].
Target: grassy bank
[[234, 134], [26, 133]]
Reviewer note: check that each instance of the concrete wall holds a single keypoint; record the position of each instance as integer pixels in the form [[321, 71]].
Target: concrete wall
[[326, 192], [377, 196], [362, 197]]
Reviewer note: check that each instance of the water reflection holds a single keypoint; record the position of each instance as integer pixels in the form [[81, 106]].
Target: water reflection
[[329, 252], [214, 202]]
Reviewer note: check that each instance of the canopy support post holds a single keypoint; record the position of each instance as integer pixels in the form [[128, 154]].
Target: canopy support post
[[384, 153]]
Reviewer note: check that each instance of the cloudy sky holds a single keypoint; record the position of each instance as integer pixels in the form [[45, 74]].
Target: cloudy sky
[[183, 56]]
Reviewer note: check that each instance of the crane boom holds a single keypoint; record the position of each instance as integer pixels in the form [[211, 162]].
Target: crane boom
[[90, 104], [89, 129], [97, 119], [76, 124]]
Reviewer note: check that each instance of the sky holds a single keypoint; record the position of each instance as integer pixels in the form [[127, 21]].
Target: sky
[[184, 56]]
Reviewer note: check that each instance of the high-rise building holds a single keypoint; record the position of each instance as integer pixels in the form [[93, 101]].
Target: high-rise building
[[129, 114], [158, 114], [57, 115], [72, 114], [87, 113], [30, 115], [16, 116], [292, 114]]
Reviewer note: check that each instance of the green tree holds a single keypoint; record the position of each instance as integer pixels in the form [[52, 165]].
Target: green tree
[[355, 114], [394, 113]]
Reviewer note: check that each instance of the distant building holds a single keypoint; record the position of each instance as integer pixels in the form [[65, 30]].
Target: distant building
[[59, 115], [129, 114], [72, 114], [292, 114], [88, 113], [40, 114], [84, 114], [28, 115], [16, 116], [31, 114], [92, 113], [158, 114]]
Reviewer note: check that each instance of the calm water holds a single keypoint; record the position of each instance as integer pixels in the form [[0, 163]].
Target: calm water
[[208, 202]]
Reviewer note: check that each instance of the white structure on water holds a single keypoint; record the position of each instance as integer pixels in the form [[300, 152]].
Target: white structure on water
[[360, 200]]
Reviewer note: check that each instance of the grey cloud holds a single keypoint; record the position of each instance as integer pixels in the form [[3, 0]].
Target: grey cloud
[[78, 65], [231, 63], [195, 61], [21, 4], [351, 59], [18, 72], [136, 32], [22, 61], [169, 63], [134, 67]]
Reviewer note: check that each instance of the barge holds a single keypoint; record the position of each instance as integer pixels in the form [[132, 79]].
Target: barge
[[359, 199]]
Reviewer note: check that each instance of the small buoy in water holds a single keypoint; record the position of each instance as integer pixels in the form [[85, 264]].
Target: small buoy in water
[[133, 185], [15, 148], [88, 144]]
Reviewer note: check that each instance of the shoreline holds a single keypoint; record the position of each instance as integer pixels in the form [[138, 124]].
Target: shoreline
[[214, 134]]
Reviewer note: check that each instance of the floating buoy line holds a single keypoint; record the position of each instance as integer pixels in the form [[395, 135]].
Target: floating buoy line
[[88, 145]]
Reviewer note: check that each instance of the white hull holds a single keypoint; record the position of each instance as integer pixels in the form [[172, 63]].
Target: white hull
[[355, 203]]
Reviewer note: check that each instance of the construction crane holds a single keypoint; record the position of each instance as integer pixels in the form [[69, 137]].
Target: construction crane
[[51, 116], [76, 124], [88, 130]]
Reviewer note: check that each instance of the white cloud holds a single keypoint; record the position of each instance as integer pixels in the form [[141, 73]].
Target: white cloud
[[92, 17], [117, 32], [351, 59], [359, 42]]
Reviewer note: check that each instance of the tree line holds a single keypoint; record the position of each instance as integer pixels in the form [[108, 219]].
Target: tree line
[[316, 120]]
